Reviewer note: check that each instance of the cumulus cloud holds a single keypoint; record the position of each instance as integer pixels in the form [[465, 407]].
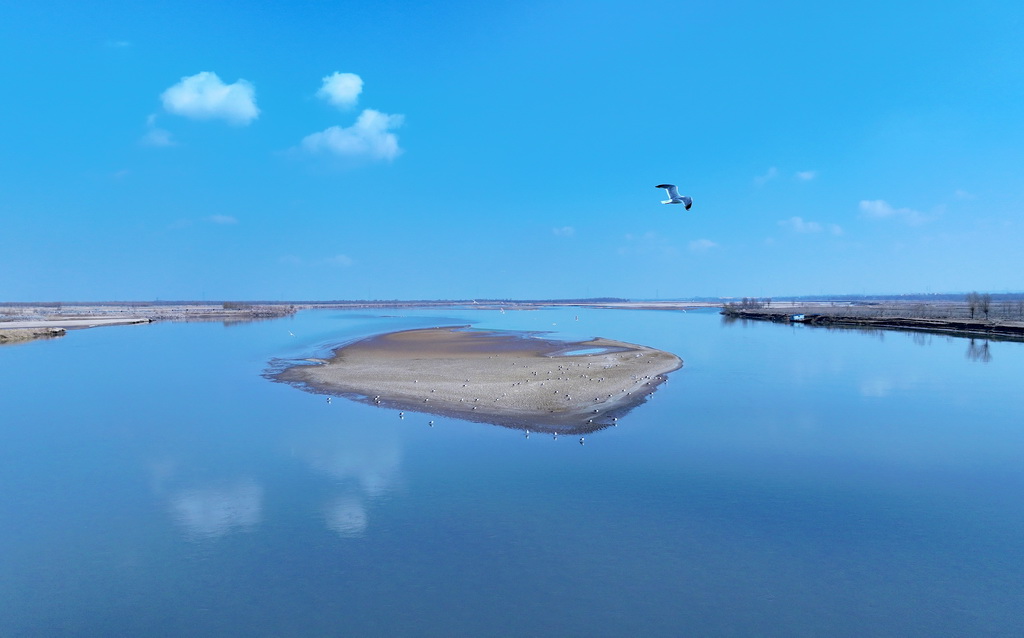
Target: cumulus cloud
[[806, 176], [881, 209], [564, 231], [769, 175], [702, 245], [204, 96], [800, 225], [369, 137], [222, 219], [341, 89]]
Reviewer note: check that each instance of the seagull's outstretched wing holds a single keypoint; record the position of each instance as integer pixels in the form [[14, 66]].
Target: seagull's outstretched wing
[[687, 201], [673, 192]]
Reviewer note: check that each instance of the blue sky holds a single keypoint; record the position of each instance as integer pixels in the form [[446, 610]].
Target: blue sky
[[347, 150]]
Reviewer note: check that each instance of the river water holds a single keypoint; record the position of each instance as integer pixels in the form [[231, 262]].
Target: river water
[[788, 481]]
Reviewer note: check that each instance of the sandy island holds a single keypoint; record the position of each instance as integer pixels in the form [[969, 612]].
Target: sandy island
[[505, 378]]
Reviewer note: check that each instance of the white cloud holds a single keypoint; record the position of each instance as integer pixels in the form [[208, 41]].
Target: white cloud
[[339, 260], [158, 137], [369, 137], [117, 44], [204, 96], [564, 231], [771, 174], [806, 176], [881, 209], [341, 89], [962, 194], [799, 225], [222, 219], [702, 245]]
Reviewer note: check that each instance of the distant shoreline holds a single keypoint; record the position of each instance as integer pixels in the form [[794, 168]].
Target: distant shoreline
[[21, 322], [42, 317], [945, 319], [511, 379]]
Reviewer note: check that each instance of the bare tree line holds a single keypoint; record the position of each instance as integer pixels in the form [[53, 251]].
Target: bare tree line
[[974, 306], [749, 303]]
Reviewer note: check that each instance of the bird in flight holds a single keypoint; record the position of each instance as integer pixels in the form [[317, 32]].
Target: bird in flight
[[674, 197]]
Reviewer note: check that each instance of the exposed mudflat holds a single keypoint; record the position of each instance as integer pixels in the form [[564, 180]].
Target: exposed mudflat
[[512, 379]]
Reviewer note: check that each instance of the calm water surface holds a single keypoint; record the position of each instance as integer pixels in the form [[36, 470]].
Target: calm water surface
[[787, 481]]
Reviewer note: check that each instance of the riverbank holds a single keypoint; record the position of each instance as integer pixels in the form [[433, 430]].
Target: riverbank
[[511, 379], [25, 322], [20, 335], [887, 318]]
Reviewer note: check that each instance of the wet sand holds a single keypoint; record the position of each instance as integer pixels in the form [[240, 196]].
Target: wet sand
[[512, 379]]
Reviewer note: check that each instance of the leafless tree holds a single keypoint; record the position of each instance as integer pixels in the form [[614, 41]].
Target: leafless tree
[[985, 304], [973, 300]]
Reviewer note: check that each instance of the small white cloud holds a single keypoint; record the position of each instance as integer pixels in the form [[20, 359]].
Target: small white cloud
[[117, 44], [564, 231], [222, 219], [799, 225], [702, 245], [339, 260], [204, 96], [769, 175], [158, 137], [806, 176], [881, 209], [290, 260], [341, 89], [962, 194], [369, 137]]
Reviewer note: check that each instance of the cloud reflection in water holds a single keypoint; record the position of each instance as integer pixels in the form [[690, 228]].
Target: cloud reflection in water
[[209, 513], [365, 463]]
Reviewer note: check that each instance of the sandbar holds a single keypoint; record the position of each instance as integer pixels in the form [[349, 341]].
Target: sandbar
[[514, 379]]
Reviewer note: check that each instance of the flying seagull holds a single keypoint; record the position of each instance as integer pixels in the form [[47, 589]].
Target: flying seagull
[[674, 196]]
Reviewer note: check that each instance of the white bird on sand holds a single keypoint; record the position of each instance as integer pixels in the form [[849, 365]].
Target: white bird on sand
[[674, 197]]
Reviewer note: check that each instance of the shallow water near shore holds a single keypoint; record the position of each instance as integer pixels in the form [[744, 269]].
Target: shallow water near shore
[[785, 481]]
